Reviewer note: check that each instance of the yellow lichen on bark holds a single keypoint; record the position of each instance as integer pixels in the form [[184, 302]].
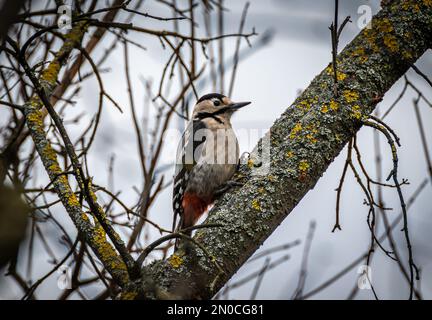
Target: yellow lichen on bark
[[175, 261], [290, 154], [391, 43], [356, 112], [303, 166], [50, 74], [360, 54], [128, 295], [256, 205], [350, 96], [106, 252], [297, 128], [334, 105]]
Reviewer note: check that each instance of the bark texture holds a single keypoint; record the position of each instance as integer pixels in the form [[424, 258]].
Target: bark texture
[[304, 141], [93, 233]]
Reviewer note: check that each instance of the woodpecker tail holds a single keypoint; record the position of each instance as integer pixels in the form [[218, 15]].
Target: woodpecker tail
[[180, 226]]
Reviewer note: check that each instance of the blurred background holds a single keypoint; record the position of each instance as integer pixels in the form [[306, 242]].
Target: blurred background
[[293, 45]]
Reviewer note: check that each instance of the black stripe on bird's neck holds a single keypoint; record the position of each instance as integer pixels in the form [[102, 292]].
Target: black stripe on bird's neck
[[204, 114], [213, 115]]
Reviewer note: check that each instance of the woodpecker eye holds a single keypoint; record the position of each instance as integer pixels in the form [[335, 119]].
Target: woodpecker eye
[[216, 103]]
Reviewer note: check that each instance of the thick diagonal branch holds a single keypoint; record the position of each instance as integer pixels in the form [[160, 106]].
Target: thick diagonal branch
[[303, 142]]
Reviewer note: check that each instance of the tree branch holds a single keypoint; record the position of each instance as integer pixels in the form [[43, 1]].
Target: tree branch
[[304, 141], [94, 234]]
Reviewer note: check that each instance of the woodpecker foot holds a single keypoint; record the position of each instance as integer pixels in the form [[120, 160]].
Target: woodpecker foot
[[228, 185]]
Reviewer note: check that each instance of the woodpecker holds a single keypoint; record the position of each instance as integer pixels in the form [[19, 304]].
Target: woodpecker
[[207, 157]]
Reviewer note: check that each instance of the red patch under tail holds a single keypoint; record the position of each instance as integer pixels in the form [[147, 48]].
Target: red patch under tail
[[193, 207]]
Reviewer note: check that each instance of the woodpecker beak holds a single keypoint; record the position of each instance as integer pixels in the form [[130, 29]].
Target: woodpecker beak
[[238, 105]]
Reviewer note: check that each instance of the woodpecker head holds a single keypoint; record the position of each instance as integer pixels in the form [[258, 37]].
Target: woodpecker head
[[217, 106]]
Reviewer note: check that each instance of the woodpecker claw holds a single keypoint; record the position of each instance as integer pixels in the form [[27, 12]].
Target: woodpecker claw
[[228, 185]]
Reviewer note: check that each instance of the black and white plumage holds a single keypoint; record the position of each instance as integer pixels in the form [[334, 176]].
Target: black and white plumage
[[185, 164], [207, 157]]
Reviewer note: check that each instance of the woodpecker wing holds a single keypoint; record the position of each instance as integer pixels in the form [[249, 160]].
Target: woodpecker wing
[[189, 152]]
